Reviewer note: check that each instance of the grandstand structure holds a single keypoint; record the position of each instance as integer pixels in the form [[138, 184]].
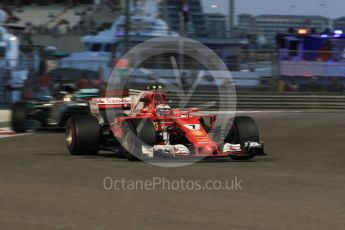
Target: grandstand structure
[[49, 15]]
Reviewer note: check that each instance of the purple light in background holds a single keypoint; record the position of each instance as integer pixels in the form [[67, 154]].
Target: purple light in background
[[324, 35], [119, 33]]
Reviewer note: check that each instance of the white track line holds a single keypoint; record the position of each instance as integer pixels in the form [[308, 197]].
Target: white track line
[[7, 132], [271, 111], [251, 111]]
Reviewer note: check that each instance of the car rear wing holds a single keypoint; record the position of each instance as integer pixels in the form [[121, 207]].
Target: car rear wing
[[124, 100], [110, 103]]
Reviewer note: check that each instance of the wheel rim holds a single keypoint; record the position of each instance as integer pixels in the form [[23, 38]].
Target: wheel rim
[[69, 136]]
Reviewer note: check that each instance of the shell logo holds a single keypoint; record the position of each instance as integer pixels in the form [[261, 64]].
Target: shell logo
[[197, 133]]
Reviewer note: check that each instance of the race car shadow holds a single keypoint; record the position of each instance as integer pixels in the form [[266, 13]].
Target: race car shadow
[[112, 155], [119, 156], [225, 159], [104, 155]]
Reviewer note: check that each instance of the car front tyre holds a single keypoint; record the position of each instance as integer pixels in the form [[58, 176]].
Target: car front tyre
[[137, 132], [243, 129]]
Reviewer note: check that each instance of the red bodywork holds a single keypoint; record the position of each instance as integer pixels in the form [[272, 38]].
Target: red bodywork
[[183, 123]]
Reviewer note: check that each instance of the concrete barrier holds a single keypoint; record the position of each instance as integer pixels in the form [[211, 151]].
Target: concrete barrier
[[5, 115], [256, 101], [251, 101]]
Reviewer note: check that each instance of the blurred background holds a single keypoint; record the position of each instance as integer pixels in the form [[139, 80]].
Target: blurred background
[[285, 55]]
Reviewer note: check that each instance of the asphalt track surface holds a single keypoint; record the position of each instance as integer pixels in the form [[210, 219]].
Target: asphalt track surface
[[299, 185]]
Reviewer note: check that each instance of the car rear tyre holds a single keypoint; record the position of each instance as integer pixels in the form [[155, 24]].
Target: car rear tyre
[[83, 135], [19, 117], [243, 129]]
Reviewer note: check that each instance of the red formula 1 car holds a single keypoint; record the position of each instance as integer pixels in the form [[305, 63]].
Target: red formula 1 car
[[143, 126]]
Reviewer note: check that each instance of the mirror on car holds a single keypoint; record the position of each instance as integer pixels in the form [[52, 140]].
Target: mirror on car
[[193, 110], [205, 121]]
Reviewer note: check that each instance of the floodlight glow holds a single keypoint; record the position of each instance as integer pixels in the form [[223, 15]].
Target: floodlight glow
[[302, 31], [338, 32]]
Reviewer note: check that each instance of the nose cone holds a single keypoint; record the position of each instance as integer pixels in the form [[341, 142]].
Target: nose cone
[[206, 150]]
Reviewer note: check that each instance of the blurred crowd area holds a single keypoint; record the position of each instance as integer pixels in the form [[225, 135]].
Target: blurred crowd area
[[50, 79], [308, 63], [49, 84], [60, 17], [313, 84]]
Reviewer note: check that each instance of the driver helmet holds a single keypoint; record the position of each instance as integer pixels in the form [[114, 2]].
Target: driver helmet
[[163, 110]]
